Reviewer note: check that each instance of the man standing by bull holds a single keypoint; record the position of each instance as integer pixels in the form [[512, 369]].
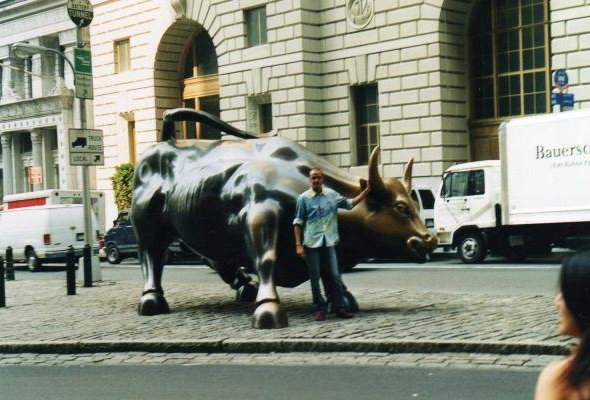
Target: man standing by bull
[[316, 222]]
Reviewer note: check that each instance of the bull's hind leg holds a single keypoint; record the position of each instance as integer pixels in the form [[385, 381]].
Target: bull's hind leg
[[151, 258], [263, 225]]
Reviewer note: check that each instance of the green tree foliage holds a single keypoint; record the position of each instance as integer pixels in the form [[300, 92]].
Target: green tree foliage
[[122, 181]]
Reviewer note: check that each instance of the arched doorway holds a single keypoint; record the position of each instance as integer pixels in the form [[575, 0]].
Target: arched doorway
[[509, 67], [200, 84]]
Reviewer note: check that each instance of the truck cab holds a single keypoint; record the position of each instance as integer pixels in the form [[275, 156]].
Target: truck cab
[[466, 204]]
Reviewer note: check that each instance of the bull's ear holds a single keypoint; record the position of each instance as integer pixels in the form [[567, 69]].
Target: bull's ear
[[377, 186], [363, 183], [407, 181]]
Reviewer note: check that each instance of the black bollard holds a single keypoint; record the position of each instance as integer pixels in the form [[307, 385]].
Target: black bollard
[[2, 288], [87, 267], [71, 270], [9, 264]]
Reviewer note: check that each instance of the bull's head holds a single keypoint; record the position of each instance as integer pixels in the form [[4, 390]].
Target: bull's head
[[390, 218]]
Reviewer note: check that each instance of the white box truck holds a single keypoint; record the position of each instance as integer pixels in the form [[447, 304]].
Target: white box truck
[[537, 196]]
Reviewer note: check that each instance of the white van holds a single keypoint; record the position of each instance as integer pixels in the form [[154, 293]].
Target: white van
[[39, 234]]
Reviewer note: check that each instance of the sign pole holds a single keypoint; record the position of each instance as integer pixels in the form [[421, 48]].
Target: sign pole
[[88, 236]]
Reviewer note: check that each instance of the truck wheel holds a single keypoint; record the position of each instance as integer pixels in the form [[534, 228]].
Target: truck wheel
[[33, 262], [471, 248], [113, 254]]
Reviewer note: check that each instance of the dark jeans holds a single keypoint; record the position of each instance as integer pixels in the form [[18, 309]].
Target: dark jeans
[[324, 257]]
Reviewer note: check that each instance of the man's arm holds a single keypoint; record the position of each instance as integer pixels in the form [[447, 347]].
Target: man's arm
[[298, 243]]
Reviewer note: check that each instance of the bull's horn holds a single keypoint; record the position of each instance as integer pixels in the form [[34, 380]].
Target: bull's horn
[[375, 180], [407, 181]]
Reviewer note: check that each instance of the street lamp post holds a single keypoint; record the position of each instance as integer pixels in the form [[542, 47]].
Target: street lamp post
[[24, 50]]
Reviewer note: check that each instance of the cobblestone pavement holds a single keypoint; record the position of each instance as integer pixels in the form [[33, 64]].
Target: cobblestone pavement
[[40, 317]]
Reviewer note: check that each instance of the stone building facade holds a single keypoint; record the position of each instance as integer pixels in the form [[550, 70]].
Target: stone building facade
[[37, 104], [428, 79]]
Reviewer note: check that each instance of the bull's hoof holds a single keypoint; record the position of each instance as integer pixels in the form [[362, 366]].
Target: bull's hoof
[[247, 293], [153, 303], [269, 315]]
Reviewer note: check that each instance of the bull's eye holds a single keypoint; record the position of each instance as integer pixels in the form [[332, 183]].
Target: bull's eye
[[403, 209]]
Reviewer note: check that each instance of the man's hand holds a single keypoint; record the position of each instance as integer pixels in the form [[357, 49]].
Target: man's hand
[[300, 250]]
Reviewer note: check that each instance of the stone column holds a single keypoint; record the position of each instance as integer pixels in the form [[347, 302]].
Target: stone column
[[7, 156]]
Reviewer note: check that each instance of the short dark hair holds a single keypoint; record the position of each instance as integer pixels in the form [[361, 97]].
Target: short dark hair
[[574, 282], [316, 169]]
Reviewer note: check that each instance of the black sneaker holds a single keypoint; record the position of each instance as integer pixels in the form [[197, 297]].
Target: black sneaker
[[345, 314]]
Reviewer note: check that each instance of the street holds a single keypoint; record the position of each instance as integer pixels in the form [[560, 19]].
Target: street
[[181, 382], [444, 273]]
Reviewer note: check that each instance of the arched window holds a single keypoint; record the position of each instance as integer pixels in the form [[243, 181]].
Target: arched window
[[510, 71], [201, 85]]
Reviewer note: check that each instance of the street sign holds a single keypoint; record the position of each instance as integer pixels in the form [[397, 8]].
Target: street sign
[[86, 159], [86, 147], [560, 78], [84, 87], [82, 61], [80, 12], [562, 99]]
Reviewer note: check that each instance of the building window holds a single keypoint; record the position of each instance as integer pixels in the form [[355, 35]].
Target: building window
[[26, 143], [510, 58], [131, 141], [366, 106], [201, 86], [256, 26], [265, 112], [122, 56]]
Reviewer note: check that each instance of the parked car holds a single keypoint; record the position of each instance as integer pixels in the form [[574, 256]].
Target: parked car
[[120, 242]]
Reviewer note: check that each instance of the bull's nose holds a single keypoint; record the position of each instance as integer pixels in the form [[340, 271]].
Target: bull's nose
[[430, 240]]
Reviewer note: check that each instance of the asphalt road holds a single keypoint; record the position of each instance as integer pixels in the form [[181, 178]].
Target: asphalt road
[[217, 382], [442, 274]]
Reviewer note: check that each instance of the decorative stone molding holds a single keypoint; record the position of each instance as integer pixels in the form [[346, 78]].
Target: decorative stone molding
[[127, 115], [359, 12], [60, 88], [35, 107], [6, 139], [256, 81], [362, 69], [179, 7]]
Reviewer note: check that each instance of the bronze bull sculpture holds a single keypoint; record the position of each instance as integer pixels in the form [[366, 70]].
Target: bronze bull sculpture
[[233, 202]]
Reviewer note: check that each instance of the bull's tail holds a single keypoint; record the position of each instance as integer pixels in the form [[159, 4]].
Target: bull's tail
[[188, 114]]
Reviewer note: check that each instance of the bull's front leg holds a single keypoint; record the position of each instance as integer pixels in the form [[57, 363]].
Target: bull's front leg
[[263, 225], [151, 259]]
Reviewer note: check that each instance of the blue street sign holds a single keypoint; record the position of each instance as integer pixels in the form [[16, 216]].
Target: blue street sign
[[562, 99], [560, 78], [567, 100]]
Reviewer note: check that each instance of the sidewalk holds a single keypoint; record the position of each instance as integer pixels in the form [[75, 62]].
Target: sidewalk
[[41, 318]]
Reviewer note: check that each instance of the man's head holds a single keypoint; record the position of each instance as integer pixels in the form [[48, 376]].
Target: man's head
[[316, 177]]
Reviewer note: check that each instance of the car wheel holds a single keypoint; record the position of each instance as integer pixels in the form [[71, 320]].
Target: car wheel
[[471, 249], [113, 254], [33, 262]]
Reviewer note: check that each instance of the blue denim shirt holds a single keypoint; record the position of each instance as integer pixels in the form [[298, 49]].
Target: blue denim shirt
[[318, 214]]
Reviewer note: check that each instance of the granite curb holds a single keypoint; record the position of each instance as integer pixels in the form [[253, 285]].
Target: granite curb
[[286, 346]]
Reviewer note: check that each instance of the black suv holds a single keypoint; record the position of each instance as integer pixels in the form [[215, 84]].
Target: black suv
[[120, 242]]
